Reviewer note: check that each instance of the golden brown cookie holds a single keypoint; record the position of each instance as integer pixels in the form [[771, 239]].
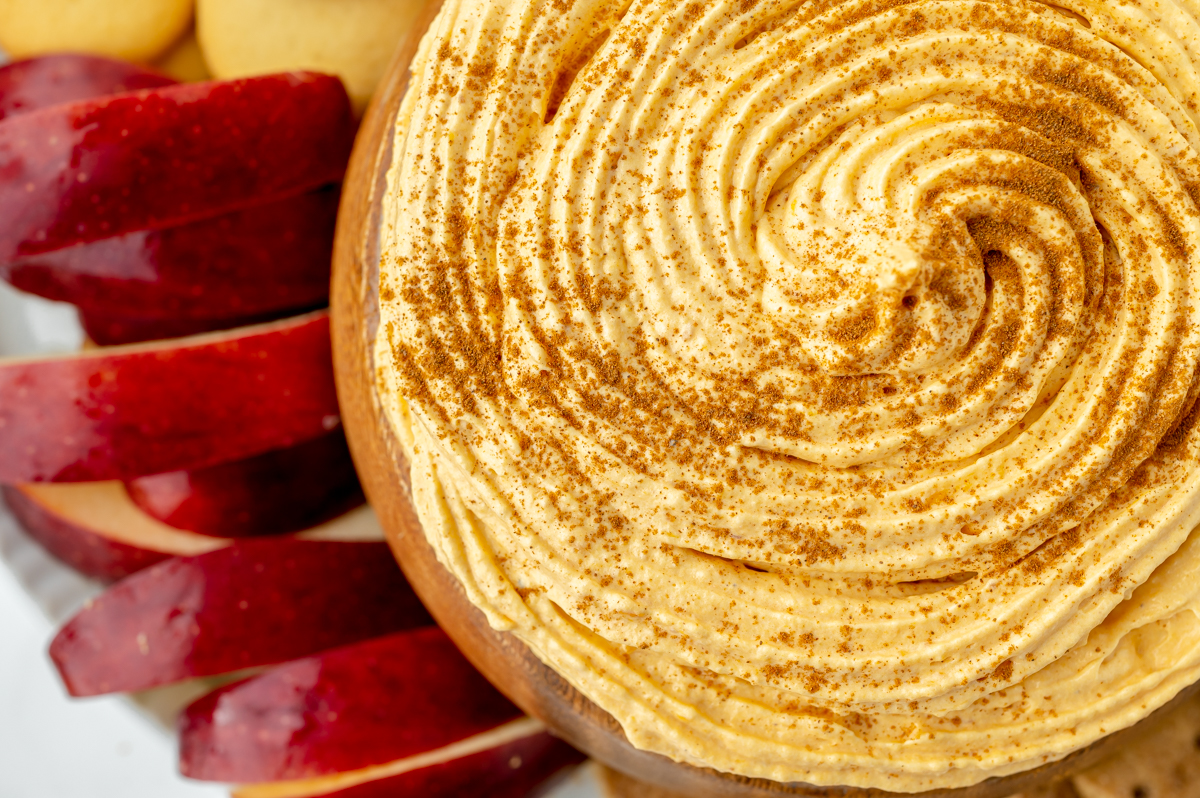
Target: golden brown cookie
[[353, 39], [1162, 762], [138, 30]]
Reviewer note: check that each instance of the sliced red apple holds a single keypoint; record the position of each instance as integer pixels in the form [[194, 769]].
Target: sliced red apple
[[163, 157], [95, 528], [257, 602], [511, 761], [56, 79], [105, 330], [250, 263], [281, 491], [127, 412], [363, 705]]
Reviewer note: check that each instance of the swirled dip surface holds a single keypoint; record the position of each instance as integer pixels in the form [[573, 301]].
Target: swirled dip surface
[[812, 384]]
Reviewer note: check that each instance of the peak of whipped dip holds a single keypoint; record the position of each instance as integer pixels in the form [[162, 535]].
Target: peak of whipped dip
[[812, 384]]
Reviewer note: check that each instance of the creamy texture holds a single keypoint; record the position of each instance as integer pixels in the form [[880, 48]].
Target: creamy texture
[[812, 384]]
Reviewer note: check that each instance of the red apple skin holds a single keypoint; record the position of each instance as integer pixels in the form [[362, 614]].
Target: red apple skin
[[128, 412], [281, 491], [251, 263], [163, 157], [537, 758], [492, 773], [513, 770], [105, 330], [82, 549], [362, 705], [258, 602], [64, 78], [95, 528]]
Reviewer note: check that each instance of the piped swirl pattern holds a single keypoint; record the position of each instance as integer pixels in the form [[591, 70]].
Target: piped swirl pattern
[[812, 384]]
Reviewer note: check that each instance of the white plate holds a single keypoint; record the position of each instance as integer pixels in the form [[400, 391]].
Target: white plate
[[52, 746]]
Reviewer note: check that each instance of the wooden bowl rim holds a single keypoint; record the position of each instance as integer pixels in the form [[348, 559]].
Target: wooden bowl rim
[[500, 656]]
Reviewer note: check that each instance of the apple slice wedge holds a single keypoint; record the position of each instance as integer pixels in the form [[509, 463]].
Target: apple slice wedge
[[147, 409], [362, 706], [105, 330], [257, 602], [152, 159], [95, 528], [254, 262], [281, 491], [69, 77], [511, 761]]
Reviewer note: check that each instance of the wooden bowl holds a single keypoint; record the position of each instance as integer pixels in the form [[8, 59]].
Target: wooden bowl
[[500, 656]]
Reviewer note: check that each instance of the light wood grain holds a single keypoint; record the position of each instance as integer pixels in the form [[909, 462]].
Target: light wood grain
[[499, 656]]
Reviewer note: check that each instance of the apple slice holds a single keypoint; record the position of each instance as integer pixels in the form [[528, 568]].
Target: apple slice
[[368, 704], [257, 602], [105, 330], [56, 79], [163, 157], [127, 412], [511, 761], [95, 528], [254, 262], [281, 491]]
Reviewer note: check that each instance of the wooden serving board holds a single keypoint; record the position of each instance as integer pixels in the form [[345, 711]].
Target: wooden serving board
[[500, 656]]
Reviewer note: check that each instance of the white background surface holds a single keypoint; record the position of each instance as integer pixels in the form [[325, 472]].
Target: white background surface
[[52, 746]]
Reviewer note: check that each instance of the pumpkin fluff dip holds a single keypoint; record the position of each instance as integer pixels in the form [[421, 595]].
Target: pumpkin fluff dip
[[812, 384]]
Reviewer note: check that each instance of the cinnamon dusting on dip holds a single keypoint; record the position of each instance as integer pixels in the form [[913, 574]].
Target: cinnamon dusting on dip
[[812, 384]]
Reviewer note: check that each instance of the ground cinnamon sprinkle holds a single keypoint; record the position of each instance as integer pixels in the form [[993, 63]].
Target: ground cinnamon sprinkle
[[807, 360]]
